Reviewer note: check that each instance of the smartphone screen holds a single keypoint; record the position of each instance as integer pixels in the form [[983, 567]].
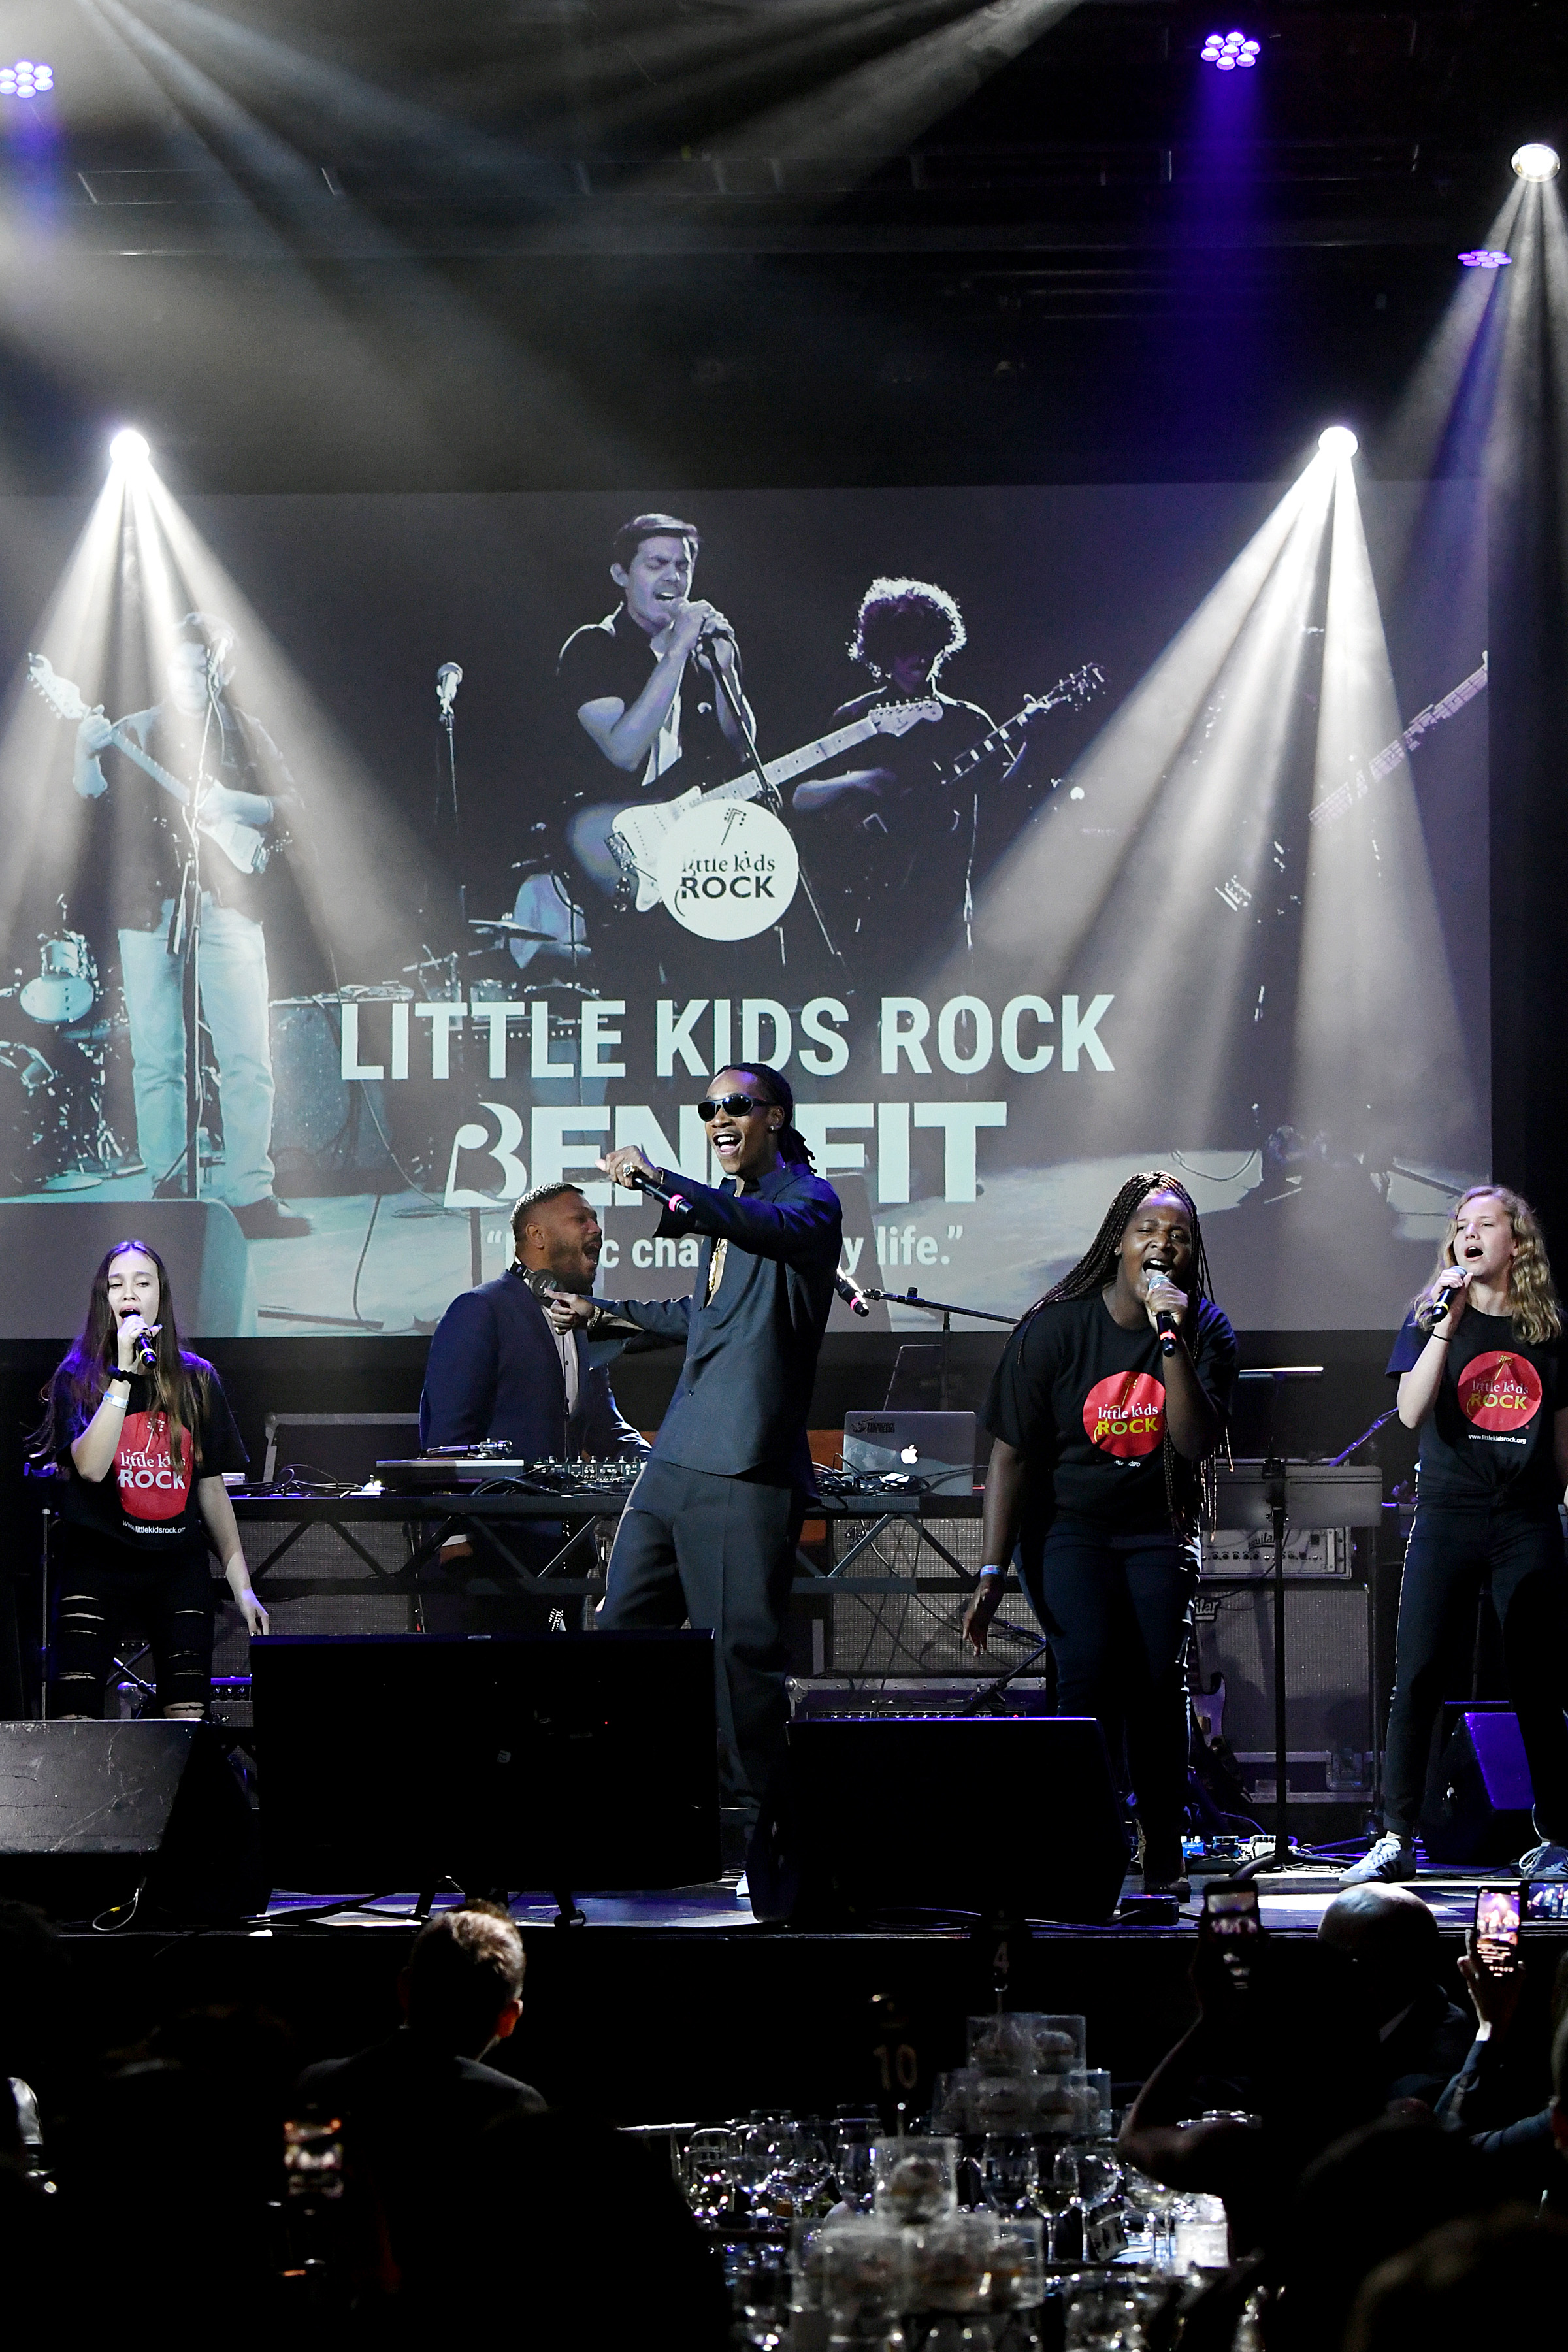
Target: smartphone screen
[[1231, 1910], [1496, 1929], [1546, 1899]]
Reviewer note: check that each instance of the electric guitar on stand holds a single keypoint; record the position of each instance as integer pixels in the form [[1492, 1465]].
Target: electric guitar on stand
[[247, 849], [616, 844]]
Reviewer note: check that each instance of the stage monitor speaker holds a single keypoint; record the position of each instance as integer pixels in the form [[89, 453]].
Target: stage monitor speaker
[[1478, 1810], [992, 1814], [90, 1810], [554, 1762], [51, 1250]]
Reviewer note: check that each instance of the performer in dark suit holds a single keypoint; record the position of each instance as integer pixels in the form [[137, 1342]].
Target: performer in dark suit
[[498, 1368], [711, 1532]]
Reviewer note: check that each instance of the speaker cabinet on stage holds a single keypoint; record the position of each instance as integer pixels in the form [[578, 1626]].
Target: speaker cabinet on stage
[[51, 1250], [1328, 1672], [1479, 1804], [89, 1811], [974, 1813]]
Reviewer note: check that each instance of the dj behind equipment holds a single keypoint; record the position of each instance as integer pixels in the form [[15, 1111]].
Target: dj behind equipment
[[500, 1375]]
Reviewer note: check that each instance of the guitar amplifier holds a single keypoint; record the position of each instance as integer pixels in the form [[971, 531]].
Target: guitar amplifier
[[1328, 1681]]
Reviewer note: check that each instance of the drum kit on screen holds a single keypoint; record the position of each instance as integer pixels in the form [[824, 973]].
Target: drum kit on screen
[[55, 1135]]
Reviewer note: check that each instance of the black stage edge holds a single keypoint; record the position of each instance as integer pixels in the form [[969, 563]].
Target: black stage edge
[[647, 2024]]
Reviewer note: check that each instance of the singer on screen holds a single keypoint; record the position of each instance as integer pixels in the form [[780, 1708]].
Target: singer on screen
[[1111, 1392], [711, 1530], [140, 1433], [1482, 1367]]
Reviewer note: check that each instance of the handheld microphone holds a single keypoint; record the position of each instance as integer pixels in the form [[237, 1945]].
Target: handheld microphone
[[1166, 1324], [856, 1300], [146, 1347], [448, 678], [1431, 1311], [644, 1181]]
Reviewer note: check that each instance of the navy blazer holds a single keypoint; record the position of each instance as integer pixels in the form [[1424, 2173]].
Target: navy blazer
[[745, 1392], [494, 1370]]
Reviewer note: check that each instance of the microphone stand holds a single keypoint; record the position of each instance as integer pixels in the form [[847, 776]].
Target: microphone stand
[[947, 1310], [768, 793]]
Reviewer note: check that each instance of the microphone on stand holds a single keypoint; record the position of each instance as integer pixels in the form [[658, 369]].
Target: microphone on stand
[[448, 678], [856, 1300]]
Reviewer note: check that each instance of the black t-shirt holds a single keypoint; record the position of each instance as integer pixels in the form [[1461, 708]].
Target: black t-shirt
[[1489, 1434], [612, 660], [145, 1512], [1085, 1401]]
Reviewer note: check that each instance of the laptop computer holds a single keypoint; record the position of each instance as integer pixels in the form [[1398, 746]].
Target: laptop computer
[[935, 1450]]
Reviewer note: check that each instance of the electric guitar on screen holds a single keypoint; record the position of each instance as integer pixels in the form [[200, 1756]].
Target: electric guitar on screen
[[247, 849], [616, 844], [876, 834]]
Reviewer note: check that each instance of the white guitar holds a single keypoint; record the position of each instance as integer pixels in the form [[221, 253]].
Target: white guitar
[[246, 849], [616, 843]]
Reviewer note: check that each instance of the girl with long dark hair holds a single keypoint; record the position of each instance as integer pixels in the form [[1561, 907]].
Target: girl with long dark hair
[[1095, 1477], [141, 1434], [1482, 1367]]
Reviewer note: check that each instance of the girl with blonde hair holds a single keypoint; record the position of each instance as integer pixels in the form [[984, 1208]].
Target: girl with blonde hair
[[1482, 1367]]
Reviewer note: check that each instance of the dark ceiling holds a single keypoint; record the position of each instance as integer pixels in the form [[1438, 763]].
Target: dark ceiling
[[518, 242]]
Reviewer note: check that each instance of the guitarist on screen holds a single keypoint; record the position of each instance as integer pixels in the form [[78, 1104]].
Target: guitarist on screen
[[237, 789], [907, 834]]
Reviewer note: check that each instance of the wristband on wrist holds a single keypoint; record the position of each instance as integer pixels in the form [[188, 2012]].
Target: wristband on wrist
[[993, 1571], [118, 1403]]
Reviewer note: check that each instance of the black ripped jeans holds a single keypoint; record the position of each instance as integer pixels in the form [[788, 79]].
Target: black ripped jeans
[[170, 1603]]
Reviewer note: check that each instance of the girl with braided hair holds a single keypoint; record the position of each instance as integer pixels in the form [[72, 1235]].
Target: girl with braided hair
[[1101, 1420]]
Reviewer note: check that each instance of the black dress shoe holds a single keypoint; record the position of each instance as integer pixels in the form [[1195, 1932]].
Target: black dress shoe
[[264, 1221]]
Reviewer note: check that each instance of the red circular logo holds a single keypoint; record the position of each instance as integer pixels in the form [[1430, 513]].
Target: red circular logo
[[1125, 1414], [1500, 1390]]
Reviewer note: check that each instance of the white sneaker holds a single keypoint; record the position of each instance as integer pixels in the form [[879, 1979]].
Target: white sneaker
[[1389, 1857]]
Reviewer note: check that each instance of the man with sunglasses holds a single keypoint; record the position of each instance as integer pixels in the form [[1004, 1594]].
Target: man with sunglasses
[[709, 1533]]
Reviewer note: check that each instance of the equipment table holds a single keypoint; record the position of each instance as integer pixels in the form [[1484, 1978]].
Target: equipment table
[[431, 1518]]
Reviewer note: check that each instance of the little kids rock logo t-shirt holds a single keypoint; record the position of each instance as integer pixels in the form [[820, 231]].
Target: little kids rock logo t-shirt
[[1125, 1415], [152, 1485]]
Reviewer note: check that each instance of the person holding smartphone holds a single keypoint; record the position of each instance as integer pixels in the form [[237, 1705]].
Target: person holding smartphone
[[1482, 1367], [140, 1432], [1111, 1393]]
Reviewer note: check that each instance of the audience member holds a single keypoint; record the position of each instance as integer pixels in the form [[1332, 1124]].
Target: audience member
[[1493, 2098], [1391, 1939], [1475, 2280], [411, 2104]]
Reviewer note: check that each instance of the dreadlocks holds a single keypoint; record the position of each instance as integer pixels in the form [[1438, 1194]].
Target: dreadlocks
[[1096, 1267]]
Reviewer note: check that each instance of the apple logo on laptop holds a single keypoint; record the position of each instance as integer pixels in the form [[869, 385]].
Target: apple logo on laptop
[[910, 1454]]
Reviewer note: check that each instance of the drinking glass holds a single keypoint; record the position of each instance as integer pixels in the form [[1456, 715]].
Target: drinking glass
[[1010, 2175], [916, 2180], [864, 2265], [708, 2173], [1112, 2311], [1018, 2265], [1154, 2203], [952, 2279], [1091, 2102]]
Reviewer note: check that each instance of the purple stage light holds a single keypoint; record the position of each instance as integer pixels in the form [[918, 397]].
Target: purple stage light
[[25, 79], [1486, 258], [1229, 51]]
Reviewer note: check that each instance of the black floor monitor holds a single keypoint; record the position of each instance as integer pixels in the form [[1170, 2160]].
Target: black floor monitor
[[566, 1760], [963, 1813]]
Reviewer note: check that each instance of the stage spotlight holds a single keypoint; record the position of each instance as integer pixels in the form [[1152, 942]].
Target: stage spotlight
[[1485, 256], [1338, 441], [25, 79], [1535, 161], [129, 450], [1229, 50]]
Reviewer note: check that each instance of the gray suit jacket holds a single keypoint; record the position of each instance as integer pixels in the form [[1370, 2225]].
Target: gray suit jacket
[[744, 1393]]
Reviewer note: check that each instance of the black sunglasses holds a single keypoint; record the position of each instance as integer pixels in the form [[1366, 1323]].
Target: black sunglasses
[[733, 1104]]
